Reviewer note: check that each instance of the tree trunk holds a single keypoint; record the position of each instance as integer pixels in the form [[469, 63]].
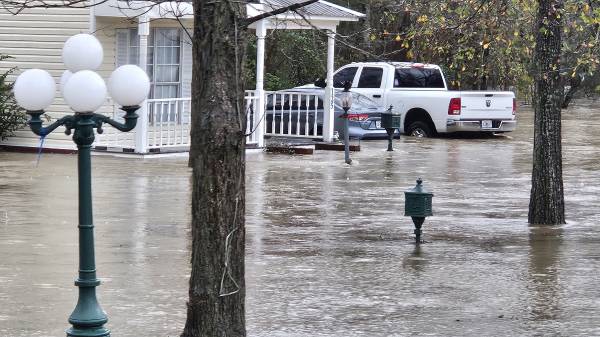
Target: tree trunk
[[546, 203], [217, 289]]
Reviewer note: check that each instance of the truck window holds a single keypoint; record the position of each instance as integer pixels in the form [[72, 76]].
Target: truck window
[[346, 74], [370, 77], [418, 78]]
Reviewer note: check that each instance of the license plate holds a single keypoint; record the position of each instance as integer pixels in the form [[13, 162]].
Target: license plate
[[377, 124], [486, 124]]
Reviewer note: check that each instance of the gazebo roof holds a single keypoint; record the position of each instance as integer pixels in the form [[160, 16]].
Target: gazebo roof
[[320, 12], [149, 9], [320, 8]]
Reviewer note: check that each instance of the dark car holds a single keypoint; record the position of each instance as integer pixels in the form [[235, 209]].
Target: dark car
[[299, 112]]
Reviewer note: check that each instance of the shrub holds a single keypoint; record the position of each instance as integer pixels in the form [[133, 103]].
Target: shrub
[[12, 116]]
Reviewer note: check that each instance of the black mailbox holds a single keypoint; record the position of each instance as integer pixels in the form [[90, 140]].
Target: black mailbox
[[417, 205], [390, 120]]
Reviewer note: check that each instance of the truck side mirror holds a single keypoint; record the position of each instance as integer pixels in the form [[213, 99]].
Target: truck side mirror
[[319, 82]]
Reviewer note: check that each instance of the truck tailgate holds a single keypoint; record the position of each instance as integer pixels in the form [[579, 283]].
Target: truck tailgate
[[486, 105]]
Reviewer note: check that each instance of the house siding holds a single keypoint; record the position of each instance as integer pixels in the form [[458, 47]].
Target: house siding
[[34, 39]]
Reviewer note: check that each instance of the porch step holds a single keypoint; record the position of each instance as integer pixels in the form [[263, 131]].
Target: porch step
[[178, 149], [336, 147], [289, 146], [302, 149]]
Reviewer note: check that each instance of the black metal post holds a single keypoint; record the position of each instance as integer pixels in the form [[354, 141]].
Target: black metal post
[[390, 133], [418, 221], [346, 139], [346, 107]]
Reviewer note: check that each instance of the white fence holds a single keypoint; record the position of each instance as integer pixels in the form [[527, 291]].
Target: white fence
[[112, 138], [169, 122], [253, 117], [279, 113], [293, 114]]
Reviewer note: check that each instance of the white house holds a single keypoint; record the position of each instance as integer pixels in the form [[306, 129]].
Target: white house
[[154, 40]]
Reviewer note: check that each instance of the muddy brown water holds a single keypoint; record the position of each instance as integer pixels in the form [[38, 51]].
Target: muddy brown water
[[329, 252]]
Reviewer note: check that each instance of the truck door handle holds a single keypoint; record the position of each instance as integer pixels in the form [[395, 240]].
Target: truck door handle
[[377, 96]]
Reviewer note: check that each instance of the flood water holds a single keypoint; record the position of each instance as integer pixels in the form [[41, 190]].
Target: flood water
[[329, 252]]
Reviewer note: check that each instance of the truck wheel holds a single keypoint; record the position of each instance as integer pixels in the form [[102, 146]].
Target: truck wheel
[[419, 129]]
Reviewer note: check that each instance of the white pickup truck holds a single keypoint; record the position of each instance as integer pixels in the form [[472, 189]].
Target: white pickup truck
[[419, 91]]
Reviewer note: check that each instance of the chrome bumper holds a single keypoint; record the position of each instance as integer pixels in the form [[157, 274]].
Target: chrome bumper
[[475, 126]]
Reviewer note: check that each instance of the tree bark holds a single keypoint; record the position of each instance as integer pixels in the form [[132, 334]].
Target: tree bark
[[216, 305], [546, 203]]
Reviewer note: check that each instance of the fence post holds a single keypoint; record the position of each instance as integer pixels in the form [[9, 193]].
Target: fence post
[[259, 109], [141, 130], [328, 107]]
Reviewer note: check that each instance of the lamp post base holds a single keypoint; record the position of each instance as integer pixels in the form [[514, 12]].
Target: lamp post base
[[96, 332]]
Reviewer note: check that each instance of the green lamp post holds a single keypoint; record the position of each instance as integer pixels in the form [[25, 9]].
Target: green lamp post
[[84, 91], [417, 205]]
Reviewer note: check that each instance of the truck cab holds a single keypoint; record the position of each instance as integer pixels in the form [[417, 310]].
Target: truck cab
[[419, 91]]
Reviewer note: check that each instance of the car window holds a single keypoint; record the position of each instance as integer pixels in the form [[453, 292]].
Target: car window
[[370, 77], [418, 78], [359, 101], [346, 74]]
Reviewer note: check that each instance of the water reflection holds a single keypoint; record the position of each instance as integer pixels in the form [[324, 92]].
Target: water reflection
[[416, 260], [388, 167]]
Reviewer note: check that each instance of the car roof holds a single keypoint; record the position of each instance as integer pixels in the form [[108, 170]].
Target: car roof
[[398, 64], [315, 91]]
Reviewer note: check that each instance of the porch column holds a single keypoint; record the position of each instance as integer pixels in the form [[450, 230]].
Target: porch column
[[141, 130], [92, 5], [259, 110], [329, 93]]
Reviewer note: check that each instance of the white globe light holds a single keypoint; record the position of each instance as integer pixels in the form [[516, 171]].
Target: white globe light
[[85, 91], [63, 80], [82, 52], [34, 89], [129, 85]]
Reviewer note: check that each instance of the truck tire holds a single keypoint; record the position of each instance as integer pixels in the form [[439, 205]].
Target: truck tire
[[419, 129]]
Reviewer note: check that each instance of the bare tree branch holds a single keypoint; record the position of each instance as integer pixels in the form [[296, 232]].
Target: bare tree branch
[[291, 8], [17, 6]]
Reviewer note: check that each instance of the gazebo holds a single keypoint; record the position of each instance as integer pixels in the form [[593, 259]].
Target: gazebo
[[321, 15], [165, 120]]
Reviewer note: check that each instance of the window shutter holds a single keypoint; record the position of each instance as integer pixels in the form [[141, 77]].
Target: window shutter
[[186, 67], [122, 48]]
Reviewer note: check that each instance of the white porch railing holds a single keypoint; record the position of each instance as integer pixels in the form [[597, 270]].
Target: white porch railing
[[293, 114], [169, 122], [253, 116], [277, 113], [112, 138], [168, 126]]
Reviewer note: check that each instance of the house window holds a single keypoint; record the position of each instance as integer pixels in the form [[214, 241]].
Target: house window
[[163, 62], [165, 65]]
